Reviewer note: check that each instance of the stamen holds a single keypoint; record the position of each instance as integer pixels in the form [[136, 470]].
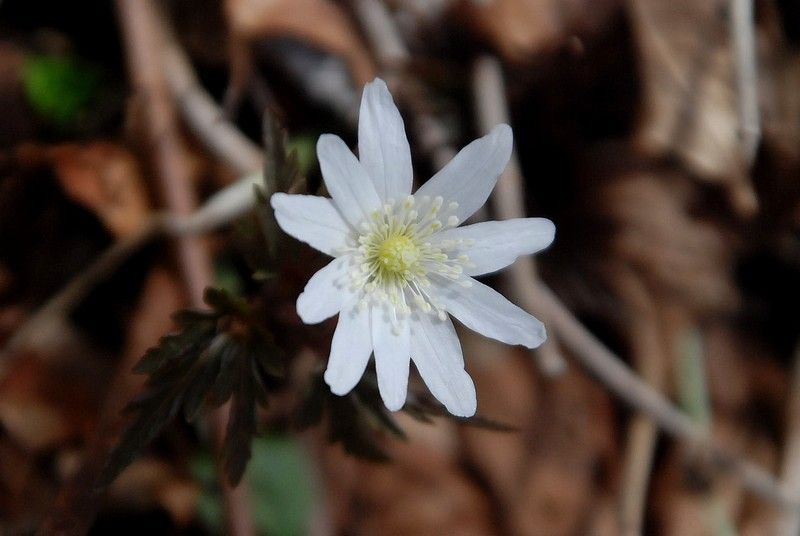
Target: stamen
[[393, 256]]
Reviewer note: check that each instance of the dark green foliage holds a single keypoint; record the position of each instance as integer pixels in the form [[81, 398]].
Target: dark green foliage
[[281, 486], [359, 419], [215, 356], [259, 237], [59, 88]]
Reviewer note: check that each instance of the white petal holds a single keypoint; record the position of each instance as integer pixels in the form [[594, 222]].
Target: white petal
[[311, 219], [325, 292], [392, 357], [382, 144], [470, 177], [347, 181], [437, 355], [498, 243], [350, 349], [486, 311]]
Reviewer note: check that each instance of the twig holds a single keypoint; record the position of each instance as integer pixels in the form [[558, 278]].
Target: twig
[[78, 499], [220, 209], [650, 359], [742, 24], [140, 25], [610, 370], [389, 47], [620, 380], [789, 523], [381, 31], [204, 117], [508, 198], [392, 55], [598, 359]]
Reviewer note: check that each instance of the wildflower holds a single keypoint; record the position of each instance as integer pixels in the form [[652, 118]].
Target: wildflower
[[402, 263]]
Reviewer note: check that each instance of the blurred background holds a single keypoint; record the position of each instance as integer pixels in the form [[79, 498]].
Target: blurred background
[[662, 138]]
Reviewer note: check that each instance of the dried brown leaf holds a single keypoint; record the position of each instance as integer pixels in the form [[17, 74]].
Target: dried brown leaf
[[320, 22], [104, 178], [523, 29]]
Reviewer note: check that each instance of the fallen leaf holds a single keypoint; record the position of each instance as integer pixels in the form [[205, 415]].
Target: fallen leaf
[[104, 178], [524, 29], [320, 22], [42, 405]]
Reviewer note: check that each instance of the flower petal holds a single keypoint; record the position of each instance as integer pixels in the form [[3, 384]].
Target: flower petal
[[350, 349], [382, 144], [469, 178], [347, 181], [498, 243], [311, 219], [325, 292], [392, 357], [437, 355], [486, 311]]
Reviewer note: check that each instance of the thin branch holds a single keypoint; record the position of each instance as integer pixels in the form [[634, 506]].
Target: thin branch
[[789, 523], [389, 47], [222, 208], [742, 23], [606, 366], [381, 31], [508, 198], [78, 500], [143, 44], [610, 370], [392, 55], [650, 359], [204, 117]]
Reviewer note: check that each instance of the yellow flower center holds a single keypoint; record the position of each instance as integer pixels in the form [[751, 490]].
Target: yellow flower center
[[396, 255]]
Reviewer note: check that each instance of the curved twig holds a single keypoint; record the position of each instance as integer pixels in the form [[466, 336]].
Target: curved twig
[[613, 373], [508, 198]]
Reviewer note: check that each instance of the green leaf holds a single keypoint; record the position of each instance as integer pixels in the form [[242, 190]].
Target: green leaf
[[241, 425], [348, 426], [304, 147], [59, 88], [224, 302], [269, 357], [359, 419], [230, 354], [199, 387], [692, 387], [227, 277], [312, 407], [281, 488], [216, 356], [195, 335], [151, 418]]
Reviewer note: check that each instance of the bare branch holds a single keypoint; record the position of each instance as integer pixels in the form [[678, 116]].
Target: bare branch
[[610, 370], [650, 357], [789, 523], [143, 43], [742, 23], [508, 198], [392, 53], [199, 110]]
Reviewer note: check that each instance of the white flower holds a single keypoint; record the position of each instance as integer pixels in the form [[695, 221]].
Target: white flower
[[401, 261]]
